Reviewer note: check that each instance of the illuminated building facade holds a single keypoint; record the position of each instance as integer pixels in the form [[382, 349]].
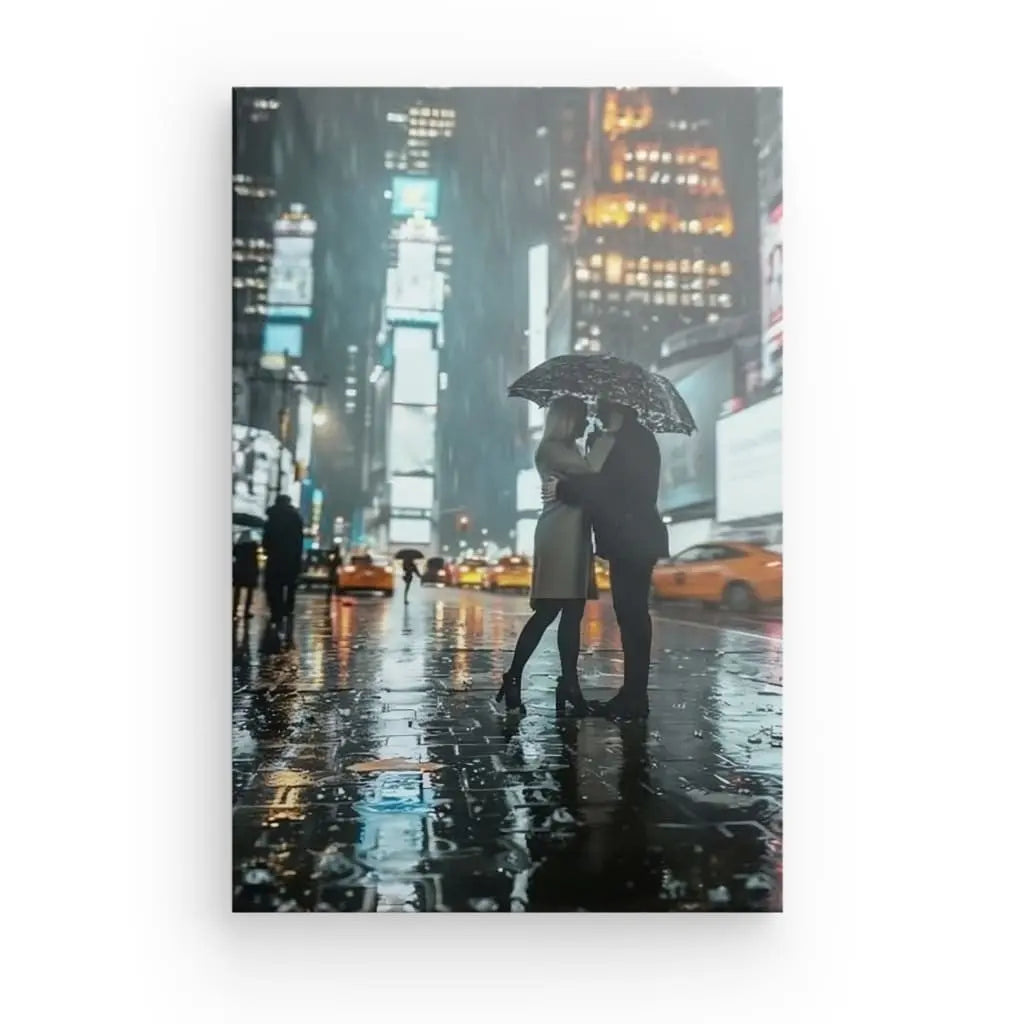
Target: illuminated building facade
[[253, 208], [656, 242], [405, 378]]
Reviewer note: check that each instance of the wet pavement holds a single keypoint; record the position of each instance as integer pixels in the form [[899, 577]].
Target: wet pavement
[[372, 772]]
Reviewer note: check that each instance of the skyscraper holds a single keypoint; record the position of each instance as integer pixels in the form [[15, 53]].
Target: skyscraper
[[402, 478], [655, 247], [253, 208]]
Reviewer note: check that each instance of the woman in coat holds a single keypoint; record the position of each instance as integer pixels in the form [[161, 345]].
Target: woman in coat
[[563, 574]]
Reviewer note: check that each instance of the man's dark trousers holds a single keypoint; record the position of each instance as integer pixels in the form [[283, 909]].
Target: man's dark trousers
[[631, 586]]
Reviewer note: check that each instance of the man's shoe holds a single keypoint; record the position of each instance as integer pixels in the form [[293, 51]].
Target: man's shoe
[[626, 707], [571, 694]]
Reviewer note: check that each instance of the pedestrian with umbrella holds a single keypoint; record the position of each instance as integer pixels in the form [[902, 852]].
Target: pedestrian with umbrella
[[408, 556], [245, 571], [622, 498]]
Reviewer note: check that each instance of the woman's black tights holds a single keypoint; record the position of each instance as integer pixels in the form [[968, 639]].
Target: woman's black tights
[[544, 612]]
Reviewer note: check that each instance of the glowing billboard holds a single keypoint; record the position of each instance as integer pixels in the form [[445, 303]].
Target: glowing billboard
[[256, 458], [415, 366], [411, 441], [409, 531], [749, 462], [688, 463], [290, 289], [410, 196], [304, 434], [528, 497], [525, 529], [279, 342], [412, 492]]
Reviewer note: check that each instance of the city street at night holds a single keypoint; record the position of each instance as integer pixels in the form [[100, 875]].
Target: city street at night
[[372, 770], [491, 343]]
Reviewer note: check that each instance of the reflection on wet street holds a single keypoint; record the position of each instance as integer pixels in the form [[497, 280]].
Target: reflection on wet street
[[372, 772]]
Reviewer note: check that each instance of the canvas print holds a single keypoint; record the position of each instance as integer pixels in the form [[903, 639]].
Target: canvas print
[[507, 546]]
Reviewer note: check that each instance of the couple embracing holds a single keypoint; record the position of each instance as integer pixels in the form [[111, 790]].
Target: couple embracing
[[613, 491]]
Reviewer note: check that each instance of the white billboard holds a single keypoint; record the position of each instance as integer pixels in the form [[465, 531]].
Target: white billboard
[[291, 275], [771, 294], [409, 531], [304, 432], [415, 290], [525, 529], [412, 492], [537, 321], [256, 458], [749, 462], [415, 366], [411, 439], [528, 498]]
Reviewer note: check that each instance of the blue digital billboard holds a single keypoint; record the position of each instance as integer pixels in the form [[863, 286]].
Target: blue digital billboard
[[282, 340], [410, 196]]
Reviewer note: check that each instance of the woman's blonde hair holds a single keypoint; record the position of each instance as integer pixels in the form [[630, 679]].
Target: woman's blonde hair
[[564, 416]]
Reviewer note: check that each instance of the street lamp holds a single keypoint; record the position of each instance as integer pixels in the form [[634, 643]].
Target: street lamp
[[320, 418]]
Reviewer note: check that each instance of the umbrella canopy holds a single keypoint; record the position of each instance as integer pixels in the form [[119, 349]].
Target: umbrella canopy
[[658, 405], [247, 519], [408, 553]]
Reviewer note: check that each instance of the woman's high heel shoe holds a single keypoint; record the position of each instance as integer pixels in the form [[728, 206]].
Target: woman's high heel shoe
[[568, 691], [511, 691]]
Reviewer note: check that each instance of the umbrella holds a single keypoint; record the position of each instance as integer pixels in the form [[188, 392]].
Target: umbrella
[[408, 553], [247, 519], [658, 405]]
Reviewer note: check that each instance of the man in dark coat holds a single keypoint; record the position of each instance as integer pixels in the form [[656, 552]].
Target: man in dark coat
[[622, 500], [245, 571], [282, 542]]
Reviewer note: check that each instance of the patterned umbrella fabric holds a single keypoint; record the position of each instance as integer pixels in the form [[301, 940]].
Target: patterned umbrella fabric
[[658, 405]]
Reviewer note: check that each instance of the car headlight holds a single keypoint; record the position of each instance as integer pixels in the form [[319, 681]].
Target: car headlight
[[390, 570], [499, 569], [350, 568]]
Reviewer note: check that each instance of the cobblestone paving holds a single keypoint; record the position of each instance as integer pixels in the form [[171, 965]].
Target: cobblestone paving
[[372, 772]]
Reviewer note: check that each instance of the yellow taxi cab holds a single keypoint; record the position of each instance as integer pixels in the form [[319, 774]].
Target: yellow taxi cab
[[366, 573], [513, 572], [601, 577], [738, 576], [471, 572]]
